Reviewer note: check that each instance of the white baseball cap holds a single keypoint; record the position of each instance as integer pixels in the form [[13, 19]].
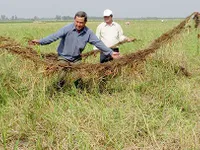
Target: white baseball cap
[[107, 12]]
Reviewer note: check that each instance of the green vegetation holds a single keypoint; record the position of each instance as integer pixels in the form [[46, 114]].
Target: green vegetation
[[154, 107]]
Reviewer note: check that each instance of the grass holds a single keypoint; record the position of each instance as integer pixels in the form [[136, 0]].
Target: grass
[[156, 107]]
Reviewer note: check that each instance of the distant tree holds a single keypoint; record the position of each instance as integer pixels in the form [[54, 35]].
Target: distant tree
[[3, 17], [35, 18], [66, 17], [16, 17], [12, 18], [58, 17]]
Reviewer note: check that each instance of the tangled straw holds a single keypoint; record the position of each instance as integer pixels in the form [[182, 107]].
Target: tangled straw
[[84, 69]]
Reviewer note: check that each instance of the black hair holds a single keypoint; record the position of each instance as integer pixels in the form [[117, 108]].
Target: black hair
[[81, 14]]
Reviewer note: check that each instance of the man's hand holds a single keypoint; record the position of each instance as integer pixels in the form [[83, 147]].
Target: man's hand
[[115, 55], [34, 42]]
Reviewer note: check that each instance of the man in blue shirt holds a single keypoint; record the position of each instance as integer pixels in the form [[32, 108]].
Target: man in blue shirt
[[74, 38]]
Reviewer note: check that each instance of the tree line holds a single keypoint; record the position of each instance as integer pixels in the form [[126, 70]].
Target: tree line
[[64, 18]]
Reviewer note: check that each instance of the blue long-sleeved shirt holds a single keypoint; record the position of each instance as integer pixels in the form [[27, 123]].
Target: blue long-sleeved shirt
[[73, 43]]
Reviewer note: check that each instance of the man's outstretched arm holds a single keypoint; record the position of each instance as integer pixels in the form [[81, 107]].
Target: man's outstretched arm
[[51, 38]]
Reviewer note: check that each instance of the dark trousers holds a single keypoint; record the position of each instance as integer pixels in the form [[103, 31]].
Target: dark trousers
[[106, 58], [63, 76], [103, 59]]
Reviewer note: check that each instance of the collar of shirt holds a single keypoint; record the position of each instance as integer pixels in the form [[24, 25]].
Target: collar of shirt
[[84, 30], [112, 24]]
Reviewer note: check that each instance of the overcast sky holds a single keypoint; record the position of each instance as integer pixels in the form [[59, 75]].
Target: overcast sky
[[120, 8]]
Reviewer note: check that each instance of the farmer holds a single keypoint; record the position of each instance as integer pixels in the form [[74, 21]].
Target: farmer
[[74, 38], [110, 33]]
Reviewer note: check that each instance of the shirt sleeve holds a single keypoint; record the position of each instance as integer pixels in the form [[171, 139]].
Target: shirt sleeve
[[55, 36], [93, 39], [120, 34]]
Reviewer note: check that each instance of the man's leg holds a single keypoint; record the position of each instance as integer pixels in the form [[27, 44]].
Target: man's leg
[[79, 82], [60, 81], [62, 75], [103, 59]]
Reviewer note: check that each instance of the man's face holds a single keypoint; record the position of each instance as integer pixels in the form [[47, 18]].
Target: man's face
[[108, 19], [79, 23]]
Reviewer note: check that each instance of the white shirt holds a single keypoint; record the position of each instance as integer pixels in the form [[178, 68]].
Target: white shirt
[[110, 34]]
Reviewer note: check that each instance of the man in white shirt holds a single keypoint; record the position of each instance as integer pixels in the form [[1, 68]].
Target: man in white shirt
[[110, 33]]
